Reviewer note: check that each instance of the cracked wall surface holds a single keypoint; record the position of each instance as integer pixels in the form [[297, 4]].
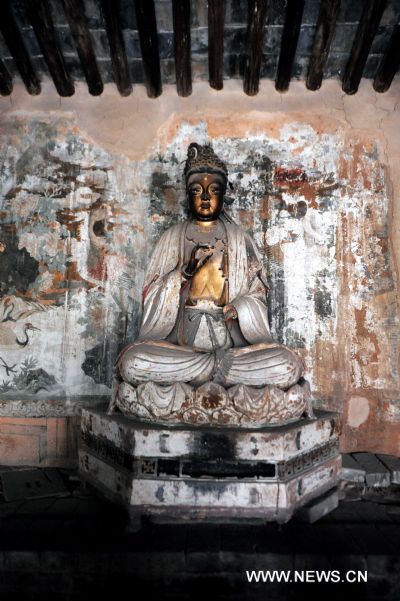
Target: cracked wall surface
[[89, 184]]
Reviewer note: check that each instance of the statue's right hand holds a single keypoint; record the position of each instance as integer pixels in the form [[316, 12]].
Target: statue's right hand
[[200, 254]]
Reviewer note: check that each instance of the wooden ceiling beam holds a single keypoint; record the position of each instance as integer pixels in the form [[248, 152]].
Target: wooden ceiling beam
[[216, 43], [290, 37], [183, 67], [365, 34], [117, 46], [147, 26], [40, 17], [324, 31], [15, 43], [6, 85], [389, 64], [255, 38], [76, 17]]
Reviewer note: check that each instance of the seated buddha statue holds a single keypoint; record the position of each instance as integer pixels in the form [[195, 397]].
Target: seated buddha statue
[[205, 353]]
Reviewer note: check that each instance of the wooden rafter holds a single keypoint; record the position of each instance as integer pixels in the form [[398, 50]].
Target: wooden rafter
[[147, 26], [6, 85], [255, 37], [15, 43], [366, 31], [324, 31], [40, 13], [216, 43], [75, 13], [117, 47], [389, 64], [40, 17], [183, 68], [290, 37]]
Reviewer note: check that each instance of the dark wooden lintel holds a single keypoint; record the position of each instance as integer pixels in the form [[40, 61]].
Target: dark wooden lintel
[[15, 43], [324, 31], [40, 17], [365, 34], [255, 37], [390, 63], [6, 85], [183, 68], [216, 43], [117, 46], [75, 13], [147, 26], [290, 37]]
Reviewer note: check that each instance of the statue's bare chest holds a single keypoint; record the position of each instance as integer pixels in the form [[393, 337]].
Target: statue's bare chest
[[210, 281]]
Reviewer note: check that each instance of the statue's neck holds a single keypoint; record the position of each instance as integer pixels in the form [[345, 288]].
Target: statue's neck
[[206, 224]]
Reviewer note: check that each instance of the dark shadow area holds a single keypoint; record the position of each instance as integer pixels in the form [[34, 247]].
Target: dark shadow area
[[73, 545]]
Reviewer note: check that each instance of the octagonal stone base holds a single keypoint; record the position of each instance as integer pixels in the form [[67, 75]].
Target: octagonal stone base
[[201, 473]]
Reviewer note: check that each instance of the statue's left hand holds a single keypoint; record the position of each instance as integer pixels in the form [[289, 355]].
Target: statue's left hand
[[230, 312]]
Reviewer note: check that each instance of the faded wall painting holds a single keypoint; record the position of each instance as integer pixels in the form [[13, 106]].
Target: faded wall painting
[[78, 225]]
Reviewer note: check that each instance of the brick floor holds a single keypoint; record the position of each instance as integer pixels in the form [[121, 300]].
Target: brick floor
[[79, 546]]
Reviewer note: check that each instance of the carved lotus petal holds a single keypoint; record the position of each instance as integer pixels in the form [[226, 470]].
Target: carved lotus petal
[[297, 398], [252, 402], [126, 399], [162, 401], [196, 416], [226, 416], [211, 396], [240, 405]]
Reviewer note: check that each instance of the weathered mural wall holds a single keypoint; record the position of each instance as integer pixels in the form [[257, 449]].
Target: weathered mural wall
[[78, 222]]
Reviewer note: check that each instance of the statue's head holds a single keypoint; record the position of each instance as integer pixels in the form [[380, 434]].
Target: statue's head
[[206, 179]]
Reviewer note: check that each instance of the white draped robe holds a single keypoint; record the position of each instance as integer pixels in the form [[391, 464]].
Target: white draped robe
[[256, 361]]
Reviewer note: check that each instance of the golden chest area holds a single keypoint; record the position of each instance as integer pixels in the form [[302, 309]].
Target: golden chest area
[[210, 281]]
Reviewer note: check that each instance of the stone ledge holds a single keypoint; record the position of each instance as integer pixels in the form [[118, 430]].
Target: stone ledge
[[49, 407], [148, 439]]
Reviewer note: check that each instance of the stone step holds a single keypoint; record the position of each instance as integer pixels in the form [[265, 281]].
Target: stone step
[[376, 473], [351, 469], [393, 464]]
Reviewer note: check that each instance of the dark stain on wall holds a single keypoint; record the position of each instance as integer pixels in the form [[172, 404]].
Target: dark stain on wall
[[214, 446], [276, 306], [100, 359], [323, 303], [167, 198], [17, 268], [99, 362]]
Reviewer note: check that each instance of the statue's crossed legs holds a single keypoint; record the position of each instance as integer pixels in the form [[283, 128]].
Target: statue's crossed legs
[[254, 365]]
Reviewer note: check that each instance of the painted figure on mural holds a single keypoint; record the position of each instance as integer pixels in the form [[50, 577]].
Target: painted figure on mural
[[205, 352]]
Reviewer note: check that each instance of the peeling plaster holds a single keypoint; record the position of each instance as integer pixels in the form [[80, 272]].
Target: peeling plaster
[[358, 411]]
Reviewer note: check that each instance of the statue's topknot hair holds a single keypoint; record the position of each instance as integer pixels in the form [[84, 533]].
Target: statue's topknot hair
[[203, 159]]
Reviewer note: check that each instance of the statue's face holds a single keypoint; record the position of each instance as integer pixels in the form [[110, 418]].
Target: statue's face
[[206, 195]]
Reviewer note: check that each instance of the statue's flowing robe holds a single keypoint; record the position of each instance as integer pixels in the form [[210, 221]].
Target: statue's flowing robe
[[255, 360], [246, 285]]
